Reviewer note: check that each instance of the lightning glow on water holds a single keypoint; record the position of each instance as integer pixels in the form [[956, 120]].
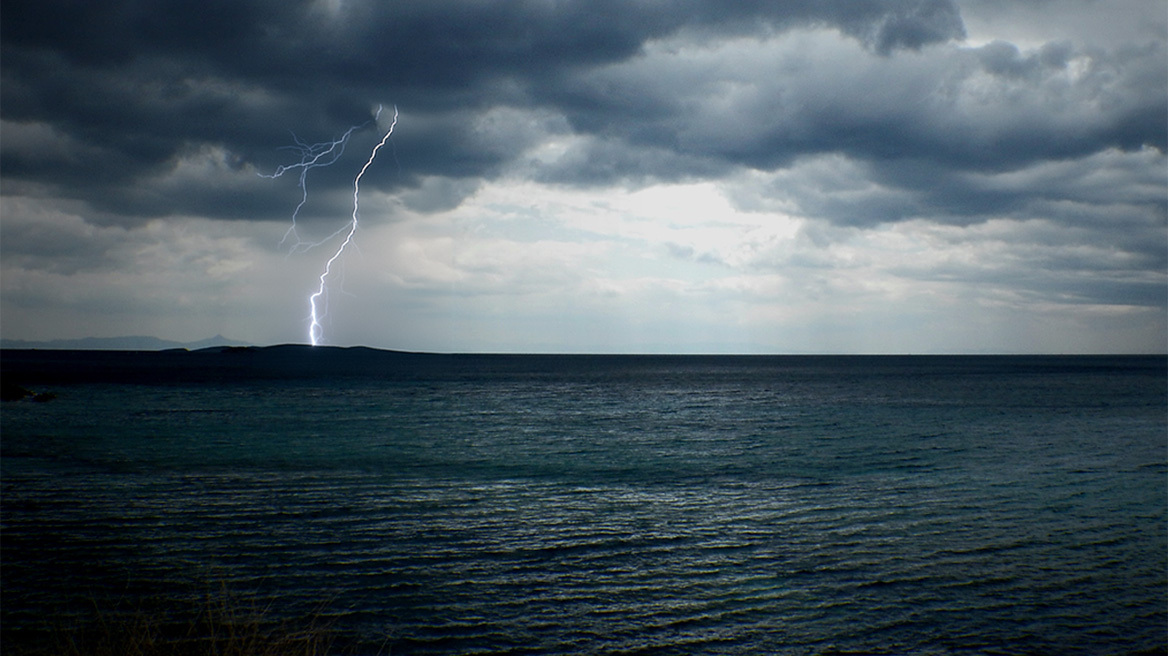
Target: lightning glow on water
[[312, 156]]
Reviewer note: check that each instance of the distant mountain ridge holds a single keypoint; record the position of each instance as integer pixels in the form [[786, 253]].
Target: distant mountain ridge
[[130, 343]]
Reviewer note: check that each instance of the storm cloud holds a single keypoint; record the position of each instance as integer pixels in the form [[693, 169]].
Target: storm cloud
[[928, 144]]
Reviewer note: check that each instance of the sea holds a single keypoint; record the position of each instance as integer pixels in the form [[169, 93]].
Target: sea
[[587, 504]]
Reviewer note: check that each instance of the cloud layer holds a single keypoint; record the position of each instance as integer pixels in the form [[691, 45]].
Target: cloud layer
[[857, 176]]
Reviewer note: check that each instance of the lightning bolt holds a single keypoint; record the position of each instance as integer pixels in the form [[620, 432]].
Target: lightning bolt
[[315, 330], [313, 156]]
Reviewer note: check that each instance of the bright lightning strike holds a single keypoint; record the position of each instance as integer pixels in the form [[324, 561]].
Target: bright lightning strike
[[313, 156], [315, 330]]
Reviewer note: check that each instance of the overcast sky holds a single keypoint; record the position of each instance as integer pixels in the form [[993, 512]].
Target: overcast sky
[[825, 176]]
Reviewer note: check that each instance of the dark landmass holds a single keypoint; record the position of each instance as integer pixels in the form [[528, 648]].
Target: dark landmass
[[134, 343]]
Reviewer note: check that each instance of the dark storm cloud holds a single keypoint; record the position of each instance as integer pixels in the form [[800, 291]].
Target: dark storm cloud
[[443, 44], [122, 91], [988, 108]]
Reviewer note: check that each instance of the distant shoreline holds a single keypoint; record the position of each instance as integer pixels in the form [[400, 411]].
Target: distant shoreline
[[125, 343]]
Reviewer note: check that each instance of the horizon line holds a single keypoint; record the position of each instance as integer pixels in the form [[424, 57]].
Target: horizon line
[[189, 347]]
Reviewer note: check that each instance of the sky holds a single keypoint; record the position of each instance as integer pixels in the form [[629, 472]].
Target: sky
[[636, 176]]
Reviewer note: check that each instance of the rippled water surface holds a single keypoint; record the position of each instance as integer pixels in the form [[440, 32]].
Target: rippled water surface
[[617, 504]]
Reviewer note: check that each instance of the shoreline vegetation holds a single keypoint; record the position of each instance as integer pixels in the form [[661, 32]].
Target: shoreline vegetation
[[12, 392], [220, 624]]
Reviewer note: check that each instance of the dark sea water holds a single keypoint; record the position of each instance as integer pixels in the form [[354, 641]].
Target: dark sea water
[[597, 505]]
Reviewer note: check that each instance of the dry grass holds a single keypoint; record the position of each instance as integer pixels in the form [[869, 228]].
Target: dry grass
[[219, 625]]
